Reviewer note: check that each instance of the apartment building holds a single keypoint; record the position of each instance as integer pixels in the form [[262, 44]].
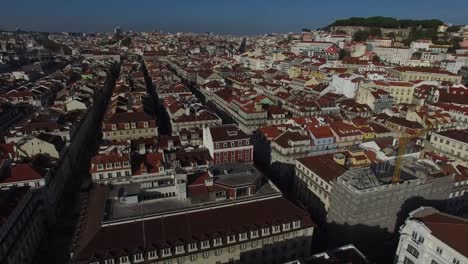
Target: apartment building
[[430, 236], [407, 74], [451, 143], [129, 125], [227, 143], [402, 92]]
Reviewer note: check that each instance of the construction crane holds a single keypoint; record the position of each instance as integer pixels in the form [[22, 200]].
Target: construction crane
[[402, 144]]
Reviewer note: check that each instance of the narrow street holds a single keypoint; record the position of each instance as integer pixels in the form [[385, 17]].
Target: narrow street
[[60, 234]]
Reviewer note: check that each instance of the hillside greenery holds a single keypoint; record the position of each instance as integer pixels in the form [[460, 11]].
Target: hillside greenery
[[387, 22]]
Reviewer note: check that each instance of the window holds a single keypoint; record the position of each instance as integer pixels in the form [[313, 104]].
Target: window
[[455, 261], [439, 251], [254, 234], [217, 145], [434, 262], [123, 259], [233, 144], [414, 235], [240, 143], [137, 257], [265, 231], [217, 242], [242, 236], [180, 260], [254, 243], [179, 250], [231, 239], [205, 244], [193, 257], [192, 246], [100, 167], [407, 261], [109, 261], [117, 165], [286, 227], [276, 229], [232, 249], [243, 246], [296, 224], [206, 254], [225, 145], [413, 251], [421, 239], [108, 165], [145, 124], [218, 252], [166, 252], [152, 255]]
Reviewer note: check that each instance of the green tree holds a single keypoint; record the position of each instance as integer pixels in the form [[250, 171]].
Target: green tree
[[360, 35]]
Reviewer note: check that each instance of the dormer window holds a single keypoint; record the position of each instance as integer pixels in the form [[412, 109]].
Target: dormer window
[[205, 244], [240, 143], [233, 144], [231, 239], [166, 252], [179, 250], [127, 125], [296, 224], [138, 257], [145, 124], [126, 164], [217, 242], [100, 167], [123, 260], [265, 231], [133, 125], [109, 261], [108, 165], [286, 227], [152, 255], [114, 127], [217, 145], [242, 236], [254, 234], [225, 145], [117, 165], [276, 229], [192, 246]]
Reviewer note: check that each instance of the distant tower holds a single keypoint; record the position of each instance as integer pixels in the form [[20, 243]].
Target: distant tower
[[118, 30]]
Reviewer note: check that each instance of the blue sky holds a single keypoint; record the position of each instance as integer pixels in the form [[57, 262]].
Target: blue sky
[[220, 16]]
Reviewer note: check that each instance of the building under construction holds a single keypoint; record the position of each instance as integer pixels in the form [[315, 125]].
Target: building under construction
[[369, 198]]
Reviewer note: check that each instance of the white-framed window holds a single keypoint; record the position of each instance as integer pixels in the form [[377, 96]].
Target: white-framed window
[[218, 252], [193, 257], [180, 260], [127, 125], [108, 165], [123, 260], [117, 165], [152, 254], [233, 144], [217, 242], [138, 257], [232, 249], [206, 254], [192, 246], [179, 250], [231, 239], [265, 231], [100, 167], [254, 233], [114, 127], [296, 224], [133, 125], [276, 229], [240, 143], [217, 145], [439, 250], [109, 261], [254, 243], [166, 252], [286, 227], [242, 236], [205, 244], [126, 164], [145, 124]]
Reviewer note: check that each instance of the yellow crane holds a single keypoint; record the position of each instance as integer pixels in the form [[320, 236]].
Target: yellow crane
[[402, 144]]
